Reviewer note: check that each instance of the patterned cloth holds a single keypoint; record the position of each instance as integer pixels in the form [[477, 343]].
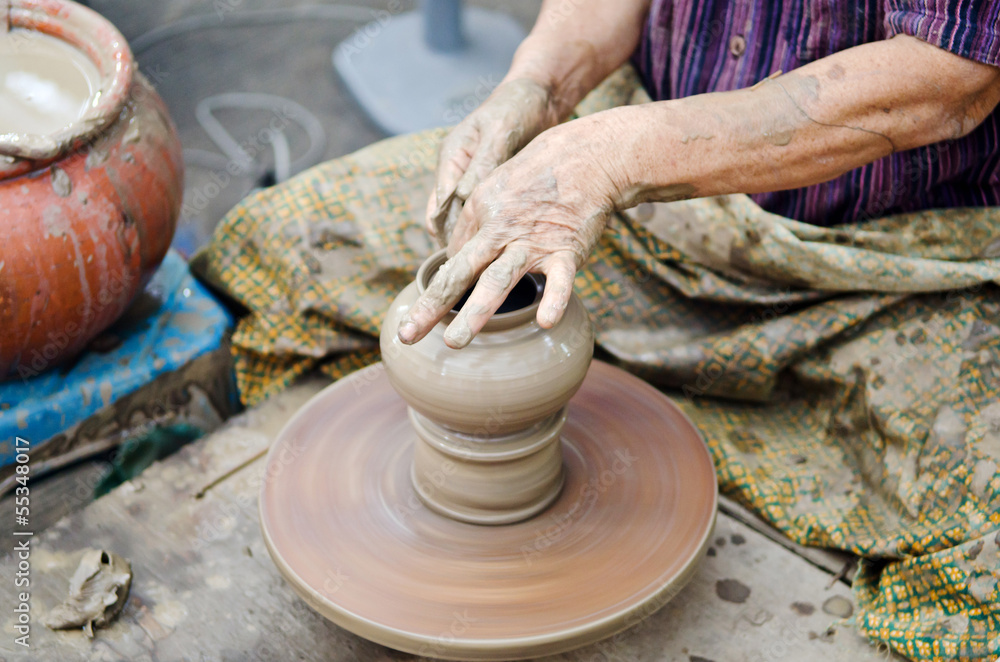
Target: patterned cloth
[[696, 46], [847, 379]]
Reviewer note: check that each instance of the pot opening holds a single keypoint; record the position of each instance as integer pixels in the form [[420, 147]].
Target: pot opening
[[65, 76], [524, 294], [46, 84], [518, 308]]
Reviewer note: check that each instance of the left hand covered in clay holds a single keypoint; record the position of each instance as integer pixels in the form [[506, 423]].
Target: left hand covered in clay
[[543, 211]]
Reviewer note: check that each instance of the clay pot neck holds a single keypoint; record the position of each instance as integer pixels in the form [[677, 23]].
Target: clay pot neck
[[98, 40], [488, 481], [524, 298]]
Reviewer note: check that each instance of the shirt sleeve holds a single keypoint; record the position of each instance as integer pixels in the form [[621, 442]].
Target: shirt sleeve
[[970, 28]]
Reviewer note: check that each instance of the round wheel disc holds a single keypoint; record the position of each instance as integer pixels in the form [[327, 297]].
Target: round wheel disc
[[345, 527]]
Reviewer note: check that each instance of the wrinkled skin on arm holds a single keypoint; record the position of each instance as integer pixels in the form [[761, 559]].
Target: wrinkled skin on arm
[[570, 50], [545, 208]]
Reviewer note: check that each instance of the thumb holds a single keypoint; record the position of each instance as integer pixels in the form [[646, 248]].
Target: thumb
[[481, 166], [430, 214]]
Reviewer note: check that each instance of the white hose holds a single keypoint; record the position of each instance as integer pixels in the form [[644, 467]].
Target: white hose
[[288, 110], [232, 152]]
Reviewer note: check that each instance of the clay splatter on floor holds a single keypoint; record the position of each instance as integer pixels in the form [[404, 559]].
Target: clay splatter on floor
[[803, 608], [732, 590], [838, 606]]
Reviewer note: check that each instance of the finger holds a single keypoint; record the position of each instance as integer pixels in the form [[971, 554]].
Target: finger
[[468, 183], [444, 222], [464, 226], [560, 272], [429, 223], [436, 217], [484, 161], [457, 151], [487, 159], [495, 283], [445, 289], [450, 221]]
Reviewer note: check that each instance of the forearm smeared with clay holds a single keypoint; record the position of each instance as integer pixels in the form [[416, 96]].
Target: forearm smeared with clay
[[544, 210], [804, 127], [574, 45]]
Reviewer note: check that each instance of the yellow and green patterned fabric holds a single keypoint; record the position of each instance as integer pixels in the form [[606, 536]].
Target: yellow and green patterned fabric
[[847, 379]]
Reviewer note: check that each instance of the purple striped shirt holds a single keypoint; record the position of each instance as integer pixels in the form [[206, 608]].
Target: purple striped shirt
[[691, 47]]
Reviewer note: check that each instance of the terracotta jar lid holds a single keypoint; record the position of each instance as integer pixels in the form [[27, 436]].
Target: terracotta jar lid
[[91, 181]]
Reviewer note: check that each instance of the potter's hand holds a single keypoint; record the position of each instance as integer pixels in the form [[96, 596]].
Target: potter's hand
[[516, 112], [541, 211]]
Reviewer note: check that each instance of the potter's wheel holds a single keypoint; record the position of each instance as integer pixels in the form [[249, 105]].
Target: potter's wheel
[[343, 523]]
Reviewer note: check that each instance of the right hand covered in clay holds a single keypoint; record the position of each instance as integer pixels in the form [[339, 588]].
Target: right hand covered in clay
[[542, 211], [516, 112]]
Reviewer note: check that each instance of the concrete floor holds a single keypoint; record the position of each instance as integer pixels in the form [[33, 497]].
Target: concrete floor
[[290, 59]]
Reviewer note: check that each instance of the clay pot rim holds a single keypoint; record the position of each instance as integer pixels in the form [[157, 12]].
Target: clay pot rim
[[499, 321], [99, 40]]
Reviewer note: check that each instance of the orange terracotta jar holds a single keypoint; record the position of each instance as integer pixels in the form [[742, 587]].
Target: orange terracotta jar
[[90, 181]]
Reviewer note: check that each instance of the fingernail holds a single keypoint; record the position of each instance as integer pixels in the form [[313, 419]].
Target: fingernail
[[408, 332], [458, 335]]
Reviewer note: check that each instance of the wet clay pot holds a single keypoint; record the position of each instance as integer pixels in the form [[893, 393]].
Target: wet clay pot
[[89, 201], [488, 417], [374, 504]]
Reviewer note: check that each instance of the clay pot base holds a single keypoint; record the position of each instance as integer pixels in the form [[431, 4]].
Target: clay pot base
[[344, 525]]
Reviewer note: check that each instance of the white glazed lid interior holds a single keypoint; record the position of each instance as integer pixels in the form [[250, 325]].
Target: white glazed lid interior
[[100, 43]]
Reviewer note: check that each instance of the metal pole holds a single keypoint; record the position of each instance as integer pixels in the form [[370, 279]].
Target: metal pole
[[443, 25]]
